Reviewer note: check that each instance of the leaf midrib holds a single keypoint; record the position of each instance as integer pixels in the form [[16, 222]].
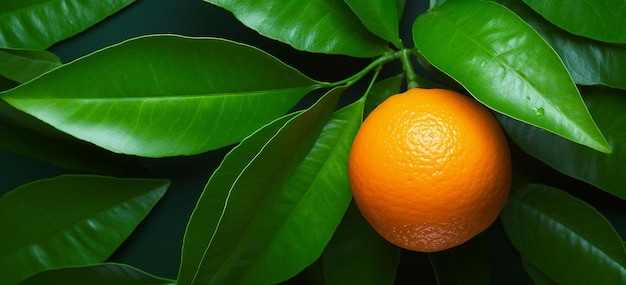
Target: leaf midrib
[[506, 64], [613, 261], [164, 97], [587, 137], [227, 200], [307, 192], [57, 232]]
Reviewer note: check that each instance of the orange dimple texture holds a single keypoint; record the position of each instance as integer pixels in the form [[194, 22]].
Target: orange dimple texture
[[430, 169]]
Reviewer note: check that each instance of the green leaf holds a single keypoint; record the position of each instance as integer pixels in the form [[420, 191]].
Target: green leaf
[[537, 276], [465, 264], [96, 274], [507, 66], [22, 65], [380, 17], [589, 62], [400, 5], [37, 24], [164, 95], [323, 26], [6, 84], [598, 19], [382, 90], [562, 236], [357, 254], [604, 171], [22, 134], [435, 3], [70, 220], [273, 204]]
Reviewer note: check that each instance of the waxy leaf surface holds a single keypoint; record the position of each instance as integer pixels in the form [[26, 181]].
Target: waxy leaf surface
[[22, 134], [602, 170], [22, 65], [38, 24], [589, 62], [164, 95], [601, 20], [380, 17], [506, 65], [323, 26], [70, 220], [357, 253], [260, 219], [563, 237]]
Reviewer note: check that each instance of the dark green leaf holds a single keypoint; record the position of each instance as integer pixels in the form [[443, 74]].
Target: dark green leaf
[[70, 220], [380, 17], [589, 62], [23, 65], [324, 26], [6, 84], [537, 276], [37, 24], [357, 254], [164, 95], [96, 274], [562, 236], [23, 134], [400, 5], [275, 201], [601, 20], [465, 264], [382, 90], [604, 171], [507, 66]]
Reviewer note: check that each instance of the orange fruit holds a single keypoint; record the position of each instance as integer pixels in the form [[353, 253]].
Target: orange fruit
[[430, 169]]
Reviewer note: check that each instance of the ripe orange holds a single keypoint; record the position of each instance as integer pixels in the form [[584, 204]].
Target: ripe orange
[[430, 169]]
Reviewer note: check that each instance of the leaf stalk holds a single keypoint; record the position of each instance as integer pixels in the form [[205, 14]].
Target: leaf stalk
[[412, 80], [383, 59]]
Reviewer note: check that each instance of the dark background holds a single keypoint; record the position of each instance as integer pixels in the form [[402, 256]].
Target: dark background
[[155, 245]]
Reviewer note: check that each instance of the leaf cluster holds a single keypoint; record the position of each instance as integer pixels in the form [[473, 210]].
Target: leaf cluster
[[278, 208]]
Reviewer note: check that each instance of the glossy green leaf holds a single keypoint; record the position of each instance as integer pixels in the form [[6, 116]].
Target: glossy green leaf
[[601, 20], [323, 26], [589, 62], [96, 274], [22, 134], [604, 171], [506, 65], [70, 220], [37, 24], [357, 254], [22, 65], [164, 95], [380, 17], [382, 90], [536, 275], [273, 204], [562, 236], [465, 264]]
